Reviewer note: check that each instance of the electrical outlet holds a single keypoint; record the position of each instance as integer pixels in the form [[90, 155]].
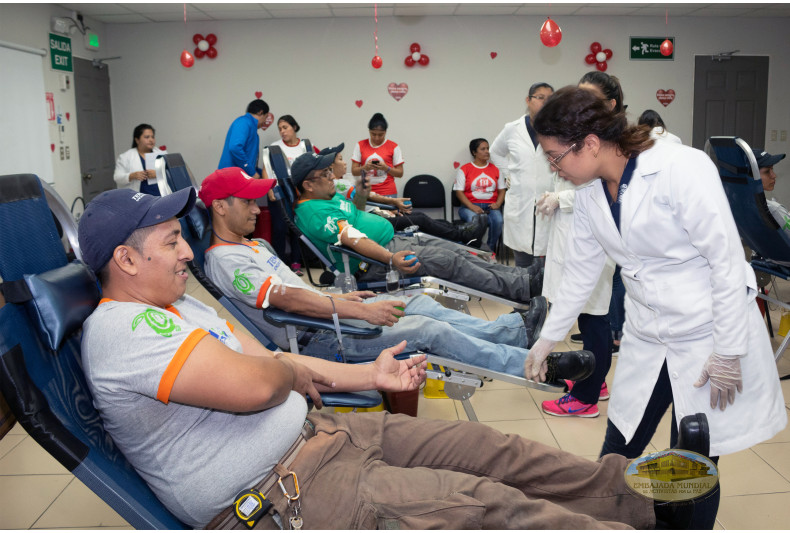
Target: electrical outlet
[[783, 135], [68, 153], [62, 154], [773, 135]]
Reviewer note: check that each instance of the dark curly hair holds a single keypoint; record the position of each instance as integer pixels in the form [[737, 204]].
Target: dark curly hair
[[609, 86]]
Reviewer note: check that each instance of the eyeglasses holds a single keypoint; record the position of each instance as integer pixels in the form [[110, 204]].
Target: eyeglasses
[[326, 173], [555, 162], [538, 97]]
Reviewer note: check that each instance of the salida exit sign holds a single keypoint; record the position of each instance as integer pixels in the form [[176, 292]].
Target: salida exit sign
[[60, 52]]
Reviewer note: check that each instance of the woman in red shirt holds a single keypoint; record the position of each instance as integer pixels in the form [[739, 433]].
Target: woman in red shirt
[[380, 159]]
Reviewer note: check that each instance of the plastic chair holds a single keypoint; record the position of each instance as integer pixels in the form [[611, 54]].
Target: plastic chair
[[426, 191], [740, 178]]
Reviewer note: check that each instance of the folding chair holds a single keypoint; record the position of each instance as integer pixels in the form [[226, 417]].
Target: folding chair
[[740, 177], [426, 191]]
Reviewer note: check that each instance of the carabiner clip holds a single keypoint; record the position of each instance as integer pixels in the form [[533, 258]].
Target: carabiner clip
[[296, 487]]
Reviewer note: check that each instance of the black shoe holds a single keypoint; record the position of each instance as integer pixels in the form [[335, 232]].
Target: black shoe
[[576, 338], [574, 365], [534, 318], [475, 229]]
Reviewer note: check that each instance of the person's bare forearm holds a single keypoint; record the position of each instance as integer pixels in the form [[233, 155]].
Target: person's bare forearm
[[308, 303]]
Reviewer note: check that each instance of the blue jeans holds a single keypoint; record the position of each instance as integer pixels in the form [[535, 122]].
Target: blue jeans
[[498, 345], [495, 221], [617, 305]]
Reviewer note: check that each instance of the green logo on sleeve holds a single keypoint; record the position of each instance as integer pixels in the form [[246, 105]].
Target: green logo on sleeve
[[242, 282], [158, 321]]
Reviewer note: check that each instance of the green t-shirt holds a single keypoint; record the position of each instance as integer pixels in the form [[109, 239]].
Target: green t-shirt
[[320, 221]]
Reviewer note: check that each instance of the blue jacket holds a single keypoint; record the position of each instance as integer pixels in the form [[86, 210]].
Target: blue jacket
[[242, 145]]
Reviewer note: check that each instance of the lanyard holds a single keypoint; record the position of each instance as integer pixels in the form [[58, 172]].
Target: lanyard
[[615, 205]]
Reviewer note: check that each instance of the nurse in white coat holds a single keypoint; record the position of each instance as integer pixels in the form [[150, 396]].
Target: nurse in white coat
[[130, 171], [693, 335], [520, 159]]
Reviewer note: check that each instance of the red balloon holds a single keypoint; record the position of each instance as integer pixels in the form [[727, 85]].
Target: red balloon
[[187, 59], [550, 33], [608, 53], [199, 53], [211, 52], [409, 61], [424, 60], [414, 48], [212, 39], [590, 59], [601, 65], [197, 38], [376, 62], [595, 47], [666, 48]]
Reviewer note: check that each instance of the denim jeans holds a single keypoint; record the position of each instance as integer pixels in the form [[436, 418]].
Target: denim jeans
[[498, 345], [495, 221]]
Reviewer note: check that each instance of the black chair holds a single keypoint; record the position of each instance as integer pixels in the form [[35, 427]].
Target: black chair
[[426, 191]]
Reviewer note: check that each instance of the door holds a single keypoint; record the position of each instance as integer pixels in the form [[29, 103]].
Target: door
[[730, 98], [94, 127]]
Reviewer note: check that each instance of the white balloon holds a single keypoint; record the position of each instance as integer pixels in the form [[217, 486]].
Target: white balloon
[[600, 57], [203, 45], [415, 56]]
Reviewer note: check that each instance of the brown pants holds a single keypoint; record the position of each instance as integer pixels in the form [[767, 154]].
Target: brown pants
[[376, 470]]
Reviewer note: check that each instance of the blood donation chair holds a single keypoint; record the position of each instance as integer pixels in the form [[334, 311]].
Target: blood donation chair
[[740, 177]]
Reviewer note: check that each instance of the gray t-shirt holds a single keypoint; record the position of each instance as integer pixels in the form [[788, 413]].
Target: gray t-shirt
[[194, 459]]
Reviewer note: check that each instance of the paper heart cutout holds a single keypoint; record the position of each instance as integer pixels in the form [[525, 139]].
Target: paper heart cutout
[[52, 147], [456, 164], [397, 90], [268, 121], [68, 115], [359, 103], [665, 97], [493, 55], [163, 147], [258, 94]]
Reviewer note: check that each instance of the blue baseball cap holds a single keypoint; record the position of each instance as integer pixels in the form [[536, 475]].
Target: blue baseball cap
[[764, 159], [110, 218], [306, 163], [332, 150]]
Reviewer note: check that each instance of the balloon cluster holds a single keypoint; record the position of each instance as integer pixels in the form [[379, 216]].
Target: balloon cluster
[[599, 56], [205, 45], [416, 56], [550, 33]]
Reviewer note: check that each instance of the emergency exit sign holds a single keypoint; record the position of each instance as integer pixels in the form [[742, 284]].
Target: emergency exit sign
[[649, 49], [60, 52]]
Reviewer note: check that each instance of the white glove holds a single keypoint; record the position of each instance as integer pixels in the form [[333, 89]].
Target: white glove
[[548, 203], [724, 373], [535, 366]]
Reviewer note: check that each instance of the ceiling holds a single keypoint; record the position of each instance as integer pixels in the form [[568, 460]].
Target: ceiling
[[170, 12]]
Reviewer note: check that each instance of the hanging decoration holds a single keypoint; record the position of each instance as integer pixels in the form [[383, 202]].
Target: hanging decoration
[[416, 56], [598, 57], [665, 97], [397, 90], [187, 59], [550, 33], [205, 45], [376, 61], [667, 47]]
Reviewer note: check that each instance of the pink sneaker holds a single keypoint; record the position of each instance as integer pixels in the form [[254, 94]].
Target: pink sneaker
[[570, 406], [604, 389]]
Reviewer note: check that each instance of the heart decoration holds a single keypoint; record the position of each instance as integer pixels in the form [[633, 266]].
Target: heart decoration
[[397, 90], [493, 55], [456, 164], [665, 97], [68, 115], [52, 147], [258, 94], [359, 103], [163, 147], [268, 121]]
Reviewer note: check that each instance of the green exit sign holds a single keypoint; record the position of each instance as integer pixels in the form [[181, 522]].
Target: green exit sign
[[60, 52], [649, 49]]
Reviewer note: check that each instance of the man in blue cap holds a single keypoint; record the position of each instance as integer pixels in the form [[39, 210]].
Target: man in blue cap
[[766, 162]]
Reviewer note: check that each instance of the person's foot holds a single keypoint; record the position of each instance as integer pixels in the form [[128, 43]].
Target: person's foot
[[297, 269], [474, 230], [603, 396], [574, 365], [576, 338], [534, 317], [570, 406]]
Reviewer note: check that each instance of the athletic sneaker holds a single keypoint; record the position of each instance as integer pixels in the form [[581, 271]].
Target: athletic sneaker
[[570, 406], [604, 389], [576, 338], [297, 269]]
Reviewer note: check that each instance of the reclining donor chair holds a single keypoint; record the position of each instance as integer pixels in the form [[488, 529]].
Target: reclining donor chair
[[759, 230], [460, 380]]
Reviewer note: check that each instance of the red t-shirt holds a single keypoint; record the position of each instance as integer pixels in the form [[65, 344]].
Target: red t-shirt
[[388, 153], [480, 185]]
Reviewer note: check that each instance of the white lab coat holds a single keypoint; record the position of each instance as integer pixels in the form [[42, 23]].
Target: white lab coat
[[689, 292], [660, 134], [559, 231], [128, 162], [528, 176]]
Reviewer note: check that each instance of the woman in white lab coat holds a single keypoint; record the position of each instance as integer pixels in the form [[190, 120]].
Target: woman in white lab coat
[[520, 159], [130, 167], [659, 129], [693, 335]]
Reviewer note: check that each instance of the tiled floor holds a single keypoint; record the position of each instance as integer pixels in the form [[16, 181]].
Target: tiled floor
[[37, 492]]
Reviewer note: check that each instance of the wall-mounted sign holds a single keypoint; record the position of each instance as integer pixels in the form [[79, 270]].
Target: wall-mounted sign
[[50, 106], [649, 49], [60, 52]]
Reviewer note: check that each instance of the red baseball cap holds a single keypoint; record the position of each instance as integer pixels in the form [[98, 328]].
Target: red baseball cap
[[233, 181]]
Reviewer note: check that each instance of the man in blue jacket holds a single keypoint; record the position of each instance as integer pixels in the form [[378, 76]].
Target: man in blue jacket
[[242, 145]]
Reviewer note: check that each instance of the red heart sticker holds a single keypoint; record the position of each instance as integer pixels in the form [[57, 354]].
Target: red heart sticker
[[258, 94], [665, 97], [268, 121], [456, 164], [52, 147], [68, 115], [493, 55], [359, 103], [163, 147], [397, 90]]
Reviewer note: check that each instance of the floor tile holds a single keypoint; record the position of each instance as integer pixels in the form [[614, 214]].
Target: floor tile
[[582, 436], [436, 409], [777, 455], [746, 473], [29, 458], [506, 404], [754, 513], [78, 506], [9, 442], [25, 498]]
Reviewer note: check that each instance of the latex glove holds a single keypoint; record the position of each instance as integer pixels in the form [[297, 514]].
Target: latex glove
[[535, 366], [724, 373], [548, 203]]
